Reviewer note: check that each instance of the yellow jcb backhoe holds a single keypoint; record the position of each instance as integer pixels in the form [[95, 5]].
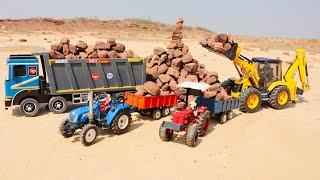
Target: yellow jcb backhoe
[[261, 80]]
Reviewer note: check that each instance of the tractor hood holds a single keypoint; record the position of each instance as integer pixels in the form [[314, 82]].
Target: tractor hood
[[80, 114]]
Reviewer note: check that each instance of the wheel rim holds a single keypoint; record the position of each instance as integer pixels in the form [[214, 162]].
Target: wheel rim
[[58, 105], [90, 135], [253, 101], [29, 107], [157, 114], [230, 115], [283, 98], [166, 111], [123, 121]]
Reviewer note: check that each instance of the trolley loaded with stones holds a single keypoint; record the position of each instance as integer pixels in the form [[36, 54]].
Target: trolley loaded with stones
[[109, 49], [168, 67]]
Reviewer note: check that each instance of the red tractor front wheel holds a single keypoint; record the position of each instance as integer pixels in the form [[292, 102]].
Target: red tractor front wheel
[[165, 134]]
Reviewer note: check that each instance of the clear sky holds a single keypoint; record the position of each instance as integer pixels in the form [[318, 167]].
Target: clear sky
[[276, 18]]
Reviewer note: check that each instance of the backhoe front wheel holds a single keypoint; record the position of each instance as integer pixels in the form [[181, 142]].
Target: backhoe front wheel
[[250, 100], [279, 97]]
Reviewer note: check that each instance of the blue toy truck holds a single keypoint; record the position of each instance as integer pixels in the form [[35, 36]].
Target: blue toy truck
[[101, 113], [35, 78]]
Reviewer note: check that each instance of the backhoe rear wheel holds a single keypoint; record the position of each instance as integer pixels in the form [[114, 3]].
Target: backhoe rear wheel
[[279, 97], [250, 100]]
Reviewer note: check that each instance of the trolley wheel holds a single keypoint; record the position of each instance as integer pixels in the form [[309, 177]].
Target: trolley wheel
[[156, 114], [165, 111]]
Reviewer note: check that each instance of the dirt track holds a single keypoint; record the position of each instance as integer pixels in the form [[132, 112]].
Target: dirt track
[[269, 144]]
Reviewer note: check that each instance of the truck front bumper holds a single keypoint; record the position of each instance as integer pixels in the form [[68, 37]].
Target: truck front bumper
[[172, 126], [7, 103]]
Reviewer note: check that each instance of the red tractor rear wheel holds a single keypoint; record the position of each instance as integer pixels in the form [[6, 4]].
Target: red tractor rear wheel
[[204, 122]]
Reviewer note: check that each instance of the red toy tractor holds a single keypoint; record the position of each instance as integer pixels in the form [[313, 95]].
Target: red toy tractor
[[193, 120]]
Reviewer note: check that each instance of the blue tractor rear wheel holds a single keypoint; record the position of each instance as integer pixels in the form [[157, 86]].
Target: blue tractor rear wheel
[[121, 123]]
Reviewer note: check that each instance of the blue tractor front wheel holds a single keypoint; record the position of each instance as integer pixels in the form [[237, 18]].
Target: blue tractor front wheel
[[65, 129], [88, 134]]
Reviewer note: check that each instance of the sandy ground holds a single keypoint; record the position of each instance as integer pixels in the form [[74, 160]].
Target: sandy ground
[[269, 144]]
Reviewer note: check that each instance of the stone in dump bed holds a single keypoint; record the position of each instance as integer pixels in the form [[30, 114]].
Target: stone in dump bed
[[81, 46], [151, 88], [101, 49], [100, 45], [57, 47], [56, 55]]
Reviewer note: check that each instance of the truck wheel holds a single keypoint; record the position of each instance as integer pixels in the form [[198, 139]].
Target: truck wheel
[[156, 114], [64, 129], [165, 134], [88, 134], [250, 100], [165, 111], [192, 135], [203, 123], [279, 97], [230, 115], [121, 123], [223, 118], [58, 105], [29, 107]]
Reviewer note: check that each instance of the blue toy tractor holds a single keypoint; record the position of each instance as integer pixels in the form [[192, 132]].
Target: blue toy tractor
[[102, 112]]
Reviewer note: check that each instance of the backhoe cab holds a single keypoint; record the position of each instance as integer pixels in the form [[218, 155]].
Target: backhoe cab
[[261, 79]]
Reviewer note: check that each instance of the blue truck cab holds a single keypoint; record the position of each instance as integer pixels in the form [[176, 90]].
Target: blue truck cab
[[22, 80]]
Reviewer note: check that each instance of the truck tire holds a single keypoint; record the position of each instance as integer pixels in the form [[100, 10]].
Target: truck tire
[[165, 134], [192, 135], [121, 123], [165, 111], [58, 105], [156, 114], [203, 123], [29, 107], [250, 100], [279, 97], [88, 134]]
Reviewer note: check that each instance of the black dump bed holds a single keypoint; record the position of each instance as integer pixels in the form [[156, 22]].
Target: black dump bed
[[107, 75]]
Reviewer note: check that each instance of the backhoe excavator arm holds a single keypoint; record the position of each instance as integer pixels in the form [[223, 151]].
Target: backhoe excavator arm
[[300, 64], [247, 69]]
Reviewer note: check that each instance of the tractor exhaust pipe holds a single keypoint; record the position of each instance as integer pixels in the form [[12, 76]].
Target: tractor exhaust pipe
[[90, 115]]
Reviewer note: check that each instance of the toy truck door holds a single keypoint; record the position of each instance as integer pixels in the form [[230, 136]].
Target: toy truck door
[[23, 77]]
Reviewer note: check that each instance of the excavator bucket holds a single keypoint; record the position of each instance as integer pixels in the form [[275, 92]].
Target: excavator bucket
[[232, 52]]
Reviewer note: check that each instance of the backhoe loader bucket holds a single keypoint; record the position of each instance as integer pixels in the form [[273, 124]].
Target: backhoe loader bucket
[[232, 52]]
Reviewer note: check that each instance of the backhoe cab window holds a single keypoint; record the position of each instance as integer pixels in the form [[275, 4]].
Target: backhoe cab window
[[19, 70]]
